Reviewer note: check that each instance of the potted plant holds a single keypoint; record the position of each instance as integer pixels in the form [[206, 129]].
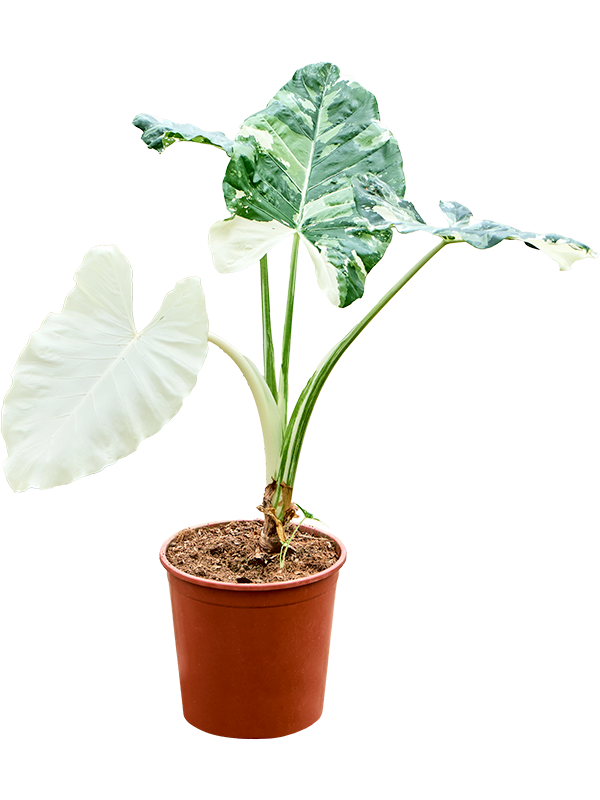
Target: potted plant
[[316, 167]]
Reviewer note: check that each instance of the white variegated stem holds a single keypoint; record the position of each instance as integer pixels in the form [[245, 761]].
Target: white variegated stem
[[265, 403], [268, 351], [287, 333], [294, 435]]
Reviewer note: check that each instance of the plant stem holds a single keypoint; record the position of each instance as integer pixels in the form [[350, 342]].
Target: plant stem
[[287, 333], [282, 401], [268, 351], [294, 434]]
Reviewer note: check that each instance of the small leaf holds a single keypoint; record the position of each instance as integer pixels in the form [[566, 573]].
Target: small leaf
[[158, 134], [307, 514]]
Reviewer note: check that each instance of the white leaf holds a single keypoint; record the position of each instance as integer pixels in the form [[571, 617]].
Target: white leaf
[[87, 388], [237, 242]]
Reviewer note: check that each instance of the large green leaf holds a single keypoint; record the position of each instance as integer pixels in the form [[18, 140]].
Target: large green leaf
[[381, 206], [291, 170], [160, 133]]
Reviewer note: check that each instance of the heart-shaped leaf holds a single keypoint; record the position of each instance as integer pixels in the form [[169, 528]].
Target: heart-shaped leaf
[[87, 388], [381, 207], [292, 164]]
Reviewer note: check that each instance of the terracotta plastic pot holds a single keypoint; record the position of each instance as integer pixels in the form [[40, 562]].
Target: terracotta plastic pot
[[253, 657]]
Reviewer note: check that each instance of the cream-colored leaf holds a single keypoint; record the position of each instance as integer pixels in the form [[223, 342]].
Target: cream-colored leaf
[[237, 242], [87, 388]]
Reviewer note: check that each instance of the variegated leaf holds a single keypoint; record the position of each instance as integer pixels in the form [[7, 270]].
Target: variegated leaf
[[381, 207], [291, 167], [160, 133]]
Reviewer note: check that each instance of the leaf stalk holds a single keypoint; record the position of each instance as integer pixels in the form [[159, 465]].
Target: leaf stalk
[[287, 333], [296, 429], [268, 350]]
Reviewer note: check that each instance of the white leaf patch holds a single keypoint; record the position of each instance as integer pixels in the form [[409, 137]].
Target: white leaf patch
[[237, 242]]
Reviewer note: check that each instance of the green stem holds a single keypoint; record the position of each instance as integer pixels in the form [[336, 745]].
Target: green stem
[[268, 351], [294, 435], [285, 361], [287, 334]]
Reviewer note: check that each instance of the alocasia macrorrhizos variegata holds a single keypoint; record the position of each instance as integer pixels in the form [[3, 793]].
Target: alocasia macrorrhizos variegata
[[315, 164]]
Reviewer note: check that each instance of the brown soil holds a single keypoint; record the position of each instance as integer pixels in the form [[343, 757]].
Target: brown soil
[[229, 553]]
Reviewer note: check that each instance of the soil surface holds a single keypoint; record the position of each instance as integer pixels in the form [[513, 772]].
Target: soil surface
[[229, 553]]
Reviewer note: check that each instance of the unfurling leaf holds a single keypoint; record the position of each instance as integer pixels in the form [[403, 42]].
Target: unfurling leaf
[[307, 514]]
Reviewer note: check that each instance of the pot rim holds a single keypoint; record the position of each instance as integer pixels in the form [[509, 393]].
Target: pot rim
[[254, 587]]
